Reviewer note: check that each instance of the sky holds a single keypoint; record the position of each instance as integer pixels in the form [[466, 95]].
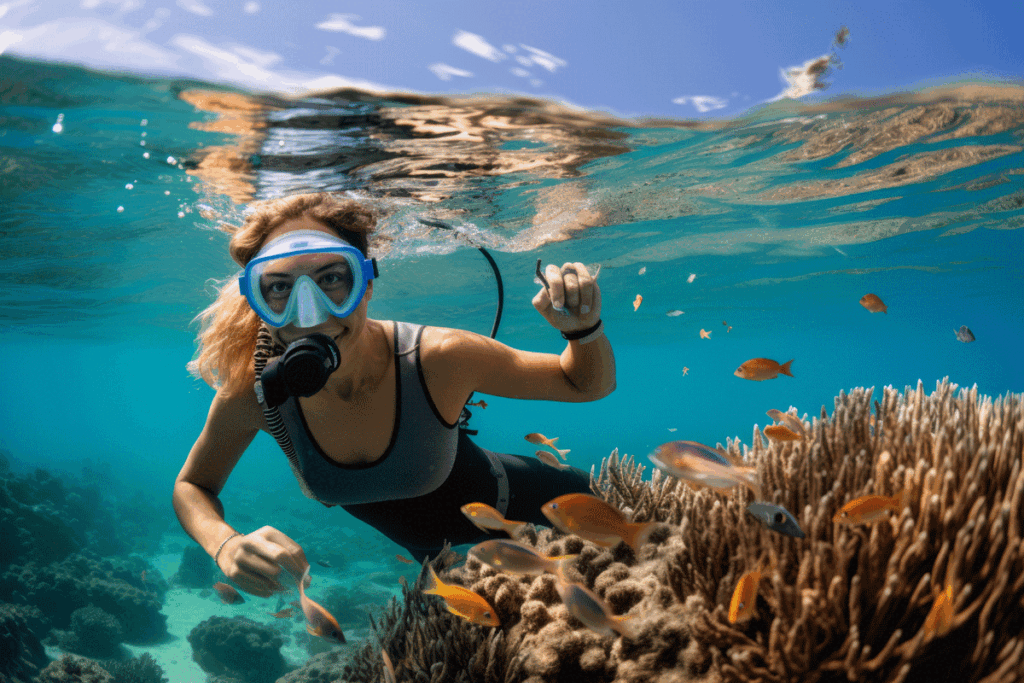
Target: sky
[[680, 59]]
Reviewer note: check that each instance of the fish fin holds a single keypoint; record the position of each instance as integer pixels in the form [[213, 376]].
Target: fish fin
[[311, 631], [903, 498], [560, 561], [736, 461], [553, 442], [563, 452], [637, 534], [784, 369]]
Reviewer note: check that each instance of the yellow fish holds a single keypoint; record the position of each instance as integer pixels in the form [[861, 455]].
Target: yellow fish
[[686, 370], [538, 439], [595, 614], [592, 519], [744, 596], [461, 602], [486, 518], [940, 617], [868, 509], [637, 301], [704, 334]]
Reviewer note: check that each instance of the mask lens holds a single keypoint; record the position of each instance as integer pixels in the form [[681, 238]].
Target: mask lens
[[330, 272]]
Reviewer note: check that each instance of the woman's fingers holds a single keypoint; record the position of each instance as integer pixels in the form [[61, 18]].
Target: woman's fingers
[[556, 289], [586, 288]]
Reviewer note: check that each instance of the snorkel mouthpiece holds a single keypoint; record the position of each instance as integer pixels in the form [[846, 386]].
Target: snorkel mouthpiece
[[302, 370]]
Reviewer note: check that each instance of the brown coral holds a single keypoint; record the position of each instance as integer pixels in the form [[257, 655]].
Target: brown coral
[[844, 603]]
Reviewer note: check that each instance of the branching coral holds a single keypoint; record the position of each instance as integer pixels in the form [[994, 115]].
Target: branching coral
[[847, 602]]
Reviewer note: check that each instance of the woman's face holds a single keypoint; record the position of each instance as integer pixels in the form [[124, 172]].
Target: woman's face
[[341, 330]]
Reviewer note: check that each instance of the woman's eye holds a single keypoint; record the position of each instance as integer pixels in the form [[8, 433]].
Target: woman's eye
[[278, 288]]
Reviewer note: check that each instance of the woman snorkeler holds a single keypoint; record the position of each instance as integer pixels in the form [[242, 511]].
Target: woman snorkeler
[[381, 438]]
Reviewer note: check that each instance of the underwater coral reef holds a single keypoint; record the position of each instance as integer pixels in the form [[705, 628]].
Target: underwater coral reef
[[848, 602]]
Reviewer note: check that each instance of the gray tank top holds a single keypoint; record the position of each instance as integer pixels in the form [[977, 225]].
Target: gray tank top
[[417, 460]]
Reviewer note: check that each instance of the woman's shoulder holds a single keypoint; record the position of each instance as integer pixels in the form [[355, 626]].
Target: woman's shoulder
[[239, 404]]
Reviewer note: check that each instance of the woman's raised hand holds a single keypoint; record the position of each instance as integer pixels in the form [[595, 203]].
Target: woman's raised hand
[[570, 299], [254, 561]]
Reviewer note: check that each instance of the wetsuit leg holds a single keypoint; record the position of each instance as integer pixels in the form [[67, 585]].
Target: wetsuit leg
[[532, 484], [422, 524]]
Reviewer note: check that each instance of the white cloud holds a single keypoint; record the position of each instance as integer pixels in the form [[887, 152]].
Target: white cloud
[[328, 59], [471, 42], [522, 73], [91, 41], [8, 38], [251, 7], [544, 59], [195, 7], [341, 23], [445, 72], [230, 64], [703, 103]]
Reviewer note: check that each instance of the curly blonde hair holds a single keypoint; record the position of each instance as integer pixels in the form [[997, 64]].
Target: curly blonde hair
[[228, 327]]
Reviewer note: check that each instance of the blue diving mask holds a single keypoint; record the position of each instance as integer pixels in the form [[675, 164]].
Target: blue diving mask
[[304, 277]]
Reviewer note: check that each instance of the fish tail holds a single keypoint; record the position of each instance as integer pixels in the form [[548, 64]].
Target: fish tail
[[563, 451], [512, 528], [637, 534], [784, 369], [433, 583], [902, 499], [553, 442], [624, 625], [560, 561]]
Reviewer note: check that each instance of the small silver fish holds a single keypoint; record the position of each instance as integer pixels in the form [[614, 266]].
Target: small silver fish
[[964, 334], [674, 312], [776, 518]]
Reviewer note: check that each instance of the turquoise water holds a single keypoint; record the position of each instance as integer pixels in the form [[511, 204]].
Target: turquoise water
[[97, 307]]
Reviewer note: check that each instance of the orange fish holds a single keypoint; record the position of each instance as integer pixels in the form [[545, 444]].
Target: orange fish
[[744, 597], [637, 301], [516, 558], [592, 519], [760, 369], [686, 370], [868, 509], [540, 440], [548, 458], [461, 602], [940, 617], [781, 433], [286, 613], [389, 668], [486, 518], [403, 559], [595, 614], [792, 421], [319, 621], [228, 595], [873, 303], [683, 461], [480, 404], [704, 334], [729, 329]]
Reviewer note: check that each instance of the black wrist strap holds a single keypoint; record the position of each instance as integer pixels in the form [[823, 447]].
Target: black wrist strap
[[580, 334]]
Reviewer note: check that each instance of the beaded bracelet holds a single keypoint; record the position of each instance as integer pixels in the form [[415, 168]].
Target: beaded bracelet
[[216, 555]]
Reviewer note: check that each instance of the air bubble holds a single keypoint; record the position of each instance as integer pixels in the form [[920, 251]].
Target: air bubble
[[167, 192], [143, 133], [181, 214], [145, 155], [59, 126], [172, 160], [120, 209], [144, 122], [142, 142], [129, 186]]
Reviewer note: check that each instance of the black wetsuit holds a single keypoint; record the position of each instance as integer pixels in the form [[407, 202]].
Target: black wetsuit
[[430, 469]]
